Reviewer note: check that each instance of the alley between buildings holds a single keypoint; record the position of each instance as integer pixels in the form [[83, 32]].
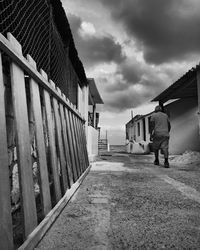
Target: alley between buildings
[[125, 202]]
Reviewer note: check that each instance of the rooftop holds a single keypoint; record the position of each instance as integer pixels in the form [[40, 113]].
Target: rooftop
[[96, 98], [184, 87]]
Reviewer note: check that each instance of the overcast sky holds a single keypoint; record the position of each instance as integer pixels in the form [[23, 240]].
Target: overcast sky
[[134, 49]]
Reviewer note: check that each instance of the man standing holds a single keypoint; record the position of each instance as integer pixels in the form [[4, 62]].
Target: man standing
[[159, 131]]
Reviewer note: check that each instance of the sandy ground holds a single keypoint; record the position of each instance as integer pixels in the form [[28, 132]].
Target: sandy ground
[[126, 202]]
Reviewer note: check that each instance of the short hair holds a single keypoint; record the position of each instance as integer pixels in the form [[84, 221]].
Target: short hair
[[158, 108]]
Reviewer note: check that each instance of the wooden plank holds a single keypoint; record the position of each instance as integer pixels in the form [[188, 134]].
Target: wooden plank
[[71, 147], [79, 144], [23, 144], [41, 150], [74, 144], [36, 236], [84, 141], [63, 162], [66, 145], [52, 145], [80, 148], [6, 234]]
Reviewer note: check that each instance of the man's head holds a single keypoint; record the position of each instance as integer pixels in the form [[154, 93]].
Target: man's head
[[158, 108]]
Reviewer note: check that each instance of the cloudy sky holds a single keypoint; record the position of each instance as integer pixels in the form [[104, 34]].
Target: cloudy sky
[[134, 49]]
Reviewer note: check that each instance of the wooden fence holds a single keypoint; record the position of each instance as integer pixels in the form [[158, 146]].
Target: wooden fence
[[42, 118]]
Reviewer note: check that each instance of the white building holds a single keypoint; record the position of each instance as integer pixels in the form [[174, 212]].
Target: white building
[[88, 98], [182, 103]]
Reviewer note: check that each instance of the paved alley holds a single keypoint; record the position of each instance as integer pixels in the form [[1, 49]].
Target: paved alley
[[125, 202]]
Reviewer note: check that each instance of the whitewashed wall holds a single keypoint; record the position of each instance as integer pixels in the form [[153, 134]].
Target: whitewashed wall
[[133, 130], [92, 143], [184, 133], [147, 127]]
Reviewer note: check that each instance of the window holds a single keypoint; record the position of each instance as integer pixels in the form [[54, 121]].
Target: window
[[138, 126]]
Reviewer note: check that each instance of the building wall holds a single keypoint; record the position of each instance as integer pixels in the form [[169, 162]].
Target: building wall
[[139, 133], [184, 133], [92, 143], [130, 131], [147, 121]]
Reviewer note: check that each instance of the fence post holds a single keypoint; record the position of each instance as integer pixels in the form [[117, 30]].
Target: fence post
[[23, 142], [6, 234]]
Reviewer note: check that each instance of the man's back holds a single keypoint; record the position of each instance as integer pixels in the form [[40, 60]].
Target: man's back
[[161, 123]]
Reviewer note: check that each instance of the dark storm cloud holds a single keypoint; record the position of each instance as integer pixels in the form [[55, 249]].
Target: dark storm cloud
[[122, 101], [120, 94], [94, 49], [131, 71], [133, 84], [165, 30]]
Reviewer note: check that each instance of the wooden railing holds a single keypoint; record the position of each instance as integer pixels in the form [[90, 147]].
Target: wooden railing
[[42, 118]]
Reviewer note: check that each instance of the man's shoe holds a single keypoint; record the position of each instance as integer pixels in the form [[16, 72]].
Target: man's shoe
[[166, 164], [156, 162]]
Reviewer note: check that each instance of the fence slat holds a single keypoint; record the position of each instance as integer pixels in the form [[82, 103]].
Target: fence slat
[[52, 149], [71, 147], [23, 144], [74, 144], [66, 145], [84, 142], [60, 145], [79, 149], [41, 150], [6, 238], [81, 144]]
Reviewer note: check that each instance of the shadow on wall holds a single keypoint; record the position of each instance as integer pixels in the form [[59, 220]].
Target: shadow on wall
[[184, 133]]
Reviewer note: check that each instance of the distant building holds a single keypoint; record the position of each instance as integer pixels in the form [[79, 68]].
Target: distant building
[[93, 130], [137, 128]]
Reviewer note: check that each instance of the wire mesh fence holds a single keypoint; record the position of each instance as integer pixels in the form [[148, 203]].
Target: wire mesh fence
[[32, 24]]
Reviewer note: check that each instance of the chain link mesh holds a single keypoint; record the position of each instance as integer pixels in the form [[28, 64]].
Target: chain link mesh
[[31, 22]]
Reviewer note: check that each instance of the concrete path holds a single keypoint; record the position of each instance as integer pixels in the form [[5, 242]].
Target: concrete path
[[126, 202]]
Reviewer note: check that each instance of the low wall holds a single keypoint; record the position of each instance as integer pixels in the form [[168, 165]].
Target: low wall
[[92, 143]]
